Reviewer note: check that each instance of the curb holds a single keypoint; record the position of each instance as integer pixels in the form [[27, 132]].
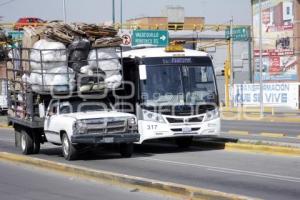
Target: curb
[[255, 148], [273, 135], [5, 126], [148, 185]]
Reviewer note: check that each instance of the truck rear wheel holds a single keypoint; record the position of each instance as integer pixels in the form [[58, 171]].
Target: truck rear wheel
[[126, 150], [26, 143], [36, 143], [184, 142], [68, 149]]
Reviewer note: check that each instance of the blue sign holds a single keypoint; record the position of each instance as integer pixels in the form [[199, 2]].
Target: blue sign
[[150, 37]]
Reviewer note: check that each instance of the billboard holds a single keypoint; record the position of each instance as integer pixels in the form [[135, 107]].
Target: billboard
[[274, 94], [279, 61]]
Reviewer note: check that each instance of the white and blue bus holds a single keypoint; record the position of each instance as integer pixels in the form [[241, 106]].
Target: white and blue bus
[[173, 93]]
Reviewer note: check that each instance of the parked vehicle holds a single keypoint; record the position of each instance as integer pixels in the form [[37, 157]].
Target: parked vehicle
[[3, 97], [28, 21]]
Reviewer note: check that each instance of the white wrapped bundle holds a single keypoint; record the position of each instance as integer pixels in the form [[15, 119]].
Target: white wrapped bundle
[[59, 79], [52, 55], [113, 81], [106, 59]]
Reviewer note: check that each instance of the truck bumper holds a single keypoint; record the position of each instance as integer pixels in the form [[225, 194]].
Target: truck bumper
[[105, 139]]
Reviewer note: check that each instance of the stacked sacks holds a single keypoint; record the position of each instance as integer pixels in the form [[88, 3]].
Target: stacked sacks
[[78, 53], [102, 71], [49, 70]]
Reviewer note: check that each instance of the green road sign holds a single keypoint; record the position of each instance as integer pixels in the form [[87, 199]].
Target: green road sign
[[238, 34], [153, 37]]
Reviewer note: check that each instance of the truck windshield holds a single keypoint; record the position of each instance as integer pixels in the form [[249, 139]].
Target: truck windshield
[[66, 107], [178, 85]]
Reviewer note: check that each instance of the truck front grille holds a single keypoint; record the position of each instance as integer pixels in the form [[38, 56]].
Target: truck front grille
[[109, 126], [184, 120]]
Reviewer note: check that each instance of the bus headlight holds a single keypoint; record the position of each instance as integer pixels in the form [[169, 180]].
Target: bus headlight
[[210, 115], [154, 117]]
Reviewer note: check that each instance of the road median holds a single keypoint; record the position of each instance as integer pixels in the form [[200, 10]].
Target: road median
[[148, 185], [245, 116], [257, 147]]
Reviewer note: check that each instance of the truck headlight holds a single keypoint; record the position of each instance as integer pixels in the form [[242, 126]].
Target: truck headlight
[[213, 114], [132, 123], [151, 116], [79, 127]]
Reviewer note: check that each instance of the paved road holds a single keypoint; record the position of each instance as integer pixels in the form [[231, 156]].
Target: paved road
[[20, 182], [257, 175], [291, 129]]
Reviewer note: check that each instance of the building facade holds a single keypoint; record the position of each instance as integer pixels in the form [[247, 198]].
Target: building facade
[[280, 40]]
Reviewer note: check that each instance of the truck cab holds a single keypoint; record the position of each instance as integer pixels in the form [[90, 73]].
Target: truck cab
[[74, 122]]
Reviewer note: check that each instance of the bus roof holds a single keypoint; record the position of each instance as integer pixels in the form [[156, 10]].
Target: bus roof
[[160, 52]]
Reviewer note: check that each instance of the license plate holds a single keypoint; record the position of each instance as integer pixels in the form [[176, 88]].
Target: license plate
[[108, 139], [186, 129]]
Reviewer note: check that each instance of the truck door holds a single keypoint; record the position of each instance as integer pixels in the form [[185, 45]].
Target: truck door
[[51, 120]]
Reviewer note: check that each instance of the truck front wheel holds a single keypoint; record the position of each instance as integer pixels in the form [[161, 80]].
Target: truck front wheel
[[126, 150], [68, 149], [26, 143]]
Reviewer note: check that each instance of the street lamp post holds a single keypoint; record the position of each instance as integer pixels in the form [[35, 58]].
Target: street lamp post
[[260, 63]]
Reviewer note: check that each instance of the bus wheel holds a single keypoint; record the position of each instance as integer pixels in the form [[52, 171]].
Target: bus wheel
[[126, 150], [184, 142], [26, 143]]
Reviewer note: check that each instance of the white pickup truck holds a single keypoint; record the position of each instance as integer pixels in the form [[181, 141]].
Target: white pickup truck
[[76, 124]]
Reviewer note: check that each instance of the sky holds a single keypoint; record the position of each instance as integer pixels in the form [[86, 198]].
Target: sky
[[95, 11]]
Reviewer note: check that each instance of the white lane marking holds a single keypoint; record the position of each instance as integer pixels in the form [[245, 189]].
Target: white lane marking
[[228, 170]]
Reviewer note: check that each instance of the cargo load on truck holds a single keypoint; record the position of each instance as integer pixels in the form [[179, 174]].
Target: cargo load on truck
[[67, 58], [60, 83]]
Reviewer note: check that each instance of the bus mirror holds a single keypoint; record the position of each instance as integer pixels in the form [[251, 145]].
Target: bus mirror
[[42, 110], [142, 72]]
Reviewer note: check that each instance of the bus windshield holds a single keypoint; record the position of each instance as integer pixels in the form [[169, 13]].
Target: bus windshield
[[179, 85]]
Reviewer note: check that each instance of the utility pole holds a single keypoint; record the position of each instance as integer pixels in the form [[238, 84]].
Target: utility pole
[[227, 73], [250, 54], [64, 11], [113, 12], [231, 60], [121, 13], [260, 64]]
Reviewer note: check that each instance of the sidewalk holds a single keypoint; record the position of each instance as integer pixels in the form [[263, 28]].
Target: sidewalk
[[270, 114]]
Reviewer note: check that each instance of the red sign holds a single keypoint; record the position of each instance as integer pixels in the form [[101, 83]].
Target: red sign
[[274, 64], [126, 39]]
